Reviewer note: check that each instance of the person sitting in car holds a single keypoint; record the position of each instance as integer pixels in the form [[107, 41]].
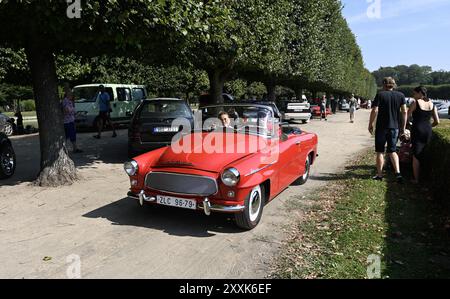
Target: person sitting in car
[[224, 118]]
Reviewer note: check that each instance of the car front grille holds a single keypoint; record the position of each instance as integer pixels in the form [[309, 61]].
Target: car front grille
[[181, 184]]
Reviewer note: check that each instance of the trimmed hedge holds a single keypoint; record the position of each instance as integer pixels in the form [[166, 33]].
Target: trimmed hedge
[[438, 161], [434, 91]]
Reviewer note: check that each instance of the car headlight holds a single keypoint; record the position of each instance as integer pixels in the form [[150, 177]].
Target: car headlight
[[230, 177], [131, 167]]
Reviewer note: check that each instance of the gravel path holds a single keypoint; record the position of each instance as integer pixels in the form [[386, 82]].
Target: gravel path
[[41, 228]]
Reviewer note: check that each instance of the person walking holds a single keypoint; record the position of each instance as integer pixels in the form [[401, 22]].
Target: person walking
[[68, 106], [388, 108], [323, 108], [421, 111], [333, 104], [352, 105], [104, 112]]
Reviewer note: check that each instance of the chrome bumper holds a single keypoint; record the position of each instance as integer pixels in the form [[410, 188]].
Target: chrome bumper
[[206, 205]]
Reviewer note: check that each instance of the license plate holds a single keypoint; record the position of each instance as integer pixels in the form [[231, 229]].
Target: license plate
[[177, 202], [165, 130]]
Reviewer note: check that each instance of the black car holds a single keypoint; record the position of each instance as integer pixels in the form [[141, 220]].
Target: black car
[[151, 126], [7, 157], [273, 105]]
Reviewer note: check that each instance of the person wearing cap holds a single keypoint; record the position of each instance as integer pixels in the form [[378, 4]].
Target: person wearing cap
[[388, 108]]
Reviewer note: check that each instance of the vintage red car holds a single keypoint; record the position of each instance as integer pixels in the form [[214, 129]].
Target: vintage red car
[[236, 165], [315, 111]]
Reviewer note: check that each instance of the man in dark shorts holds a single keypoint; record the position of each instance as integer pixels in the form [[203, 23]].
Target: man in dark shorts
[[390, 107], [104, 107]]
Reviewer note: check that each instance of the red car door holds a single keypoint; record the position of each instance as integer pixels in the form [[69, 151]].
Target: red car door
[[288, 162]]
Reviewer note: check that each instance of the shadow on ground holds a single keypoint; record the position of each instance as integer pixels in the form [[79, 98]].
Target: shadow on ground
[[418, 239], [106, 150], [173, 221]]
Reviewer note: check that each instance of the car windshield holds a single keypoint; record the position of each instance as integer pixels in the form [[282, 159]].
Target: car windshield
[[165, 109], [245, 119], [85, 94]]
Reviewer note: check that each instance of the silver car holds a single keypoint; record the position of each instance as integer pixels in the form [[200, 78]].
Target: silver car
[[443, 110]]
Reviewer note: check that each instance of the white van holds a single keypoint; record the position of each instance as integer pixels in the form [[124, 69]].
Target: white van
[[123, 98]]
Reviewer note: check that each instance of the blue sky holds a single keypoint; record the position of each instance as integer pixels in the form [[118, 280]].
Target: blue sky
[[403, 32]]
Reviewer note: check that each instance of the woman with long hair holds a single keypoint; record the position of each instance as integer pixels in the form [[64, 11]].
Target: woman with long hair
[[421, 111]]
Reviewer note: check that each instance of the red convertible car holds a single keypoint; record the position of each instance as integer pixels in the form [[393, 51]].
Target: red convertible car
[[237, 159]]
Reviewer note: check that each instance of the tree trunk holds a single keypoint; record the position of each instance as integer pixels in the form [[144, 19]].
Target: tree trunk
[[271, 88], [217, 80], [57, 168], [298, 93]]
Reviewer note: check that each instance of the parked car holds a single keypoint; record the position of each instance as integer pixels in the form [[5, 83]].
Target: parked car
[[344, 105], [277, 113], [236, 179], [123, 98], [6, 125], [297, 111], [151, 125], [444, 110], [7, 157], [315, 111]]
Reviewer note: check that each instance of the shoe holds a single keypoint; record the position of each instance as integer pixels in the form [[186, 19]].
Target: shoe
[[97, 136], [377, 178], [114, 135], [399, 179]]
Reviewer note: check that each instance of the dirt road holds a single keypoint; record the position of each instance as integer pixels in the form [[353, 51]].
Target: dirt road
[[115, 238]]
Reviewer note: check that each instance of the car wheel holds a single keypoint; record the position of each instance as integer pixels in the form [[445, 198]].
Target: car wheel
[[254, 206], [8, 129], [304, 178], [7, 161]]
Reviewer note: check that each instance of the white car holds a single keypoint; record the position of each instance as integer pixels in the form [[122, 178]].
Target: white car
[[298, 111], [443, 110], [123, 99]]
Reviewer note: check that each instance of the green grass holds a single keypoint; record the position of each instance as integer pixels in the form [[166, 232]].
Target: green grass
[[33, 123], [445, 123], [24, 114], [359, 217]]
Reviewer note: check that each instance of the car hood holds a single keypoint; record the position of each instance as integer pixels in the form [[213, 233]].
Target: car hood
[[198, 155]]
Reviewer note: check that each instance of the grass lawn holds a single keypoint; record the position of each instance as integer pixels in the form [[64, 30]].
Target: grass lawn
[[354, 218], [24, 114], [33, 123]]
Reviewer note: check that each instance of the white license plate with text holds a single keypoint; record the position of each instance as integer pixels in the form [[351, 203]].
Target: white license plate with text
[[177, 202]]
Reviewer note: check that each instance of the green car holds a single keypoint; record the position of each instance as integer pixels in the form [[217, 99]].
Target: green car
[[124, 99]]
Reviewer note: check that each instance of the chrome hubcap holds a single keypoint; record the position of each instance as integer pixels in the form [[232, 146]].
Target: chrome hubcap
[[305, 175], [8, 129], [255, 203], [7, 160]]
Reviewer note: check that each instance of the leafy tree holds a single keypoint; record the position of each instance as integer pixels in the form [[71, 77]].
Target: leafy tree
[[406, 75], [43, 29]]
